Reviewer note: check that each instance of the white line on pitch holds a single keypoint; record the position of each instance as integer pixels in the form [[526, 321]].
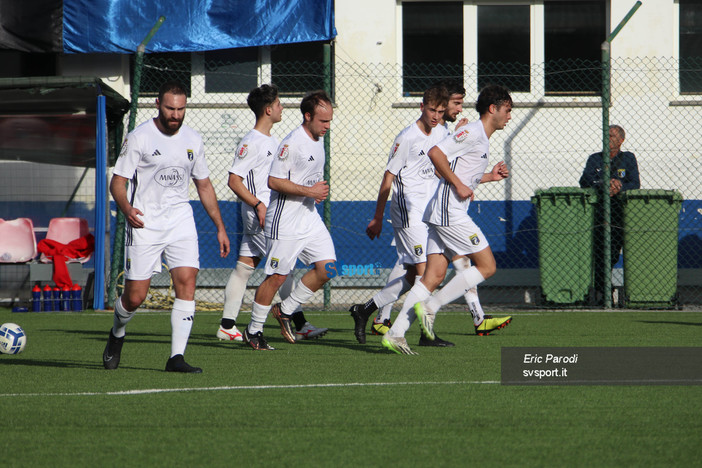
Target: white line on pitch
[[244, 387]]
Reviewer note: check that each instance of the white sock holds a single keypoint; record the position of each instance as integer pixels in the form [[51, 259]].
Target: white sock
[[396, 286], [287, 288], [458, 286], [120, 319], [404, 319], [476, 310], [235, 289], [182, 317], [299, 295], [258, 317], [471, 296]]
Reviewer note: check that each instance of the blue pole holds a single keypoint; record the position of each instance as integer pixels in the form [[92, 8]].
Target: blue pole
[[100, 203]]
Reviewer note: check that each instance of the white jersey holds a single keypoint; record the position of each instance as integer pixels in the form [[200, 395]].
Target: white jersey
[[415, 181], [467, 151], [300, 159], [252, 162], [159, 168]]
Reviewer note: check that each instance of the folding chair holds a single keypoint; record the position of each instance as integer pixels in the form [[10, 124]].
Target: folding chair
[[18, 243], [65, 230]]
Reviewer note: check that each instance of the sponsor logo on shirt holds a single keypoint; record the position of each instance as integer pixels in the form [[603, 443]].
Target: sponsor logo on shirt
[[191, 155], [313, 179], [484, 156], [243, 151], [284, 153], [427, 173], [311, 158], [156, 153], [170, 176], [460, 136], [422, 153]]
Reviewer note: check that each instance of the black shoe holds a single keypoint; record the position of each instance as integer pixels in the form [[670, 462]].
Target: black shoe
[[438, 342], [360, 320], [178, 364], [257, 341], [113, 352], [284, 321]]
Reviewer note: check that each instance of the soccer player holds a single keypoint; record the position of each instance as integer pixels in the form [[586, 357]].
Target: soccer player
[[410, 174], [252, 162], [294, 229], [457, 93], [157, 160], [461, 160]]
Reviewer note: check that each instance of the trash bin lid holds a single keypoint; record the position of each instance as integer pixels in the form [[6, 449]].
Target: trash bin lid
[[590, 194], [650, 194]]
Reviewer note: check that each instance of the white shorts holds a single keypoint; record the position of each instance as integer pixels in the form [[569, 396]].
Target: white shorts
[[143, 261], [253, 245], [411, 244], [459, 239], [282, 254]]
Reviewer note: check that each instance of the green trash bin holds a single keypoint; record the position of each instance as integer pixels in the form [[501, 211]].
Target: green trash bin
[[565, 217], [651, 248]]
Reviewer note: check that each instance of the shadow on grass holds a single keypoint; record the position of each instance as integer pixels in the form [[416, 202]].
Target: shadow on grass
[[671, 322]]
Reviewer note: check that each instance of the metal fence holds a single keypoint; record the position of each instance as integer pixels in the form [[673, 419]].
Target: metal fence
[[557, 122]]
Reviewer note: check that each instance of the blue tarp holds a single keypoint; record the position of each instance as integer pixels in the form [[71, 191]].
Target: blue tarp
[[118, 26]]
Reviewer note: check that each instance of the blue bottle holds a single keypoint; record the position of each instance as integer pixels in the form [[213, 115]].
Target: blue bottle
[[56, 294], [76, 298], [36, 298], [66, 298], [48, 304]]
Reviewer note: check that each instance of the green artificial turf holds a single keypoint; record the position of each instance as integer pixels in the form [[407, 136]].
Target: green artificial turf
[[334, 402]]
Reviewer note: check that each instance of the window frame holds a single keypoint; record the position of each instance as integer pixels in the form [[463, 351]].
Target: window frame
[[537, 92]]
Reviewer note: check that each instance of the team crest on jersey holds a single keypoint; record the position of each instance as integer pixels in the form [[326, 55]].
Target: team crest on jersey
[[460, 136], [243, 151], [123, 151], [284, 153], [191, 155], [474, 239], [128, 265], [274, 263], [394, 150], [418, 250], [621, 173]]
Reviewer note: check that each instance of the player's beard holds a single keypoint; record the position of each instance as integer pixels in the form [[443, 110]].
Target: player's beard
[[171, 125]]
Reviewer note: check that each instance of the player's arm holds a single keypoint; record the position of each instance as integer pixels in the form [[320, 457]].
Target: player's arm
[[118, 189], [376, 224], [442, 166], [236, 183], [208, 198], [499, 172], [318, 191]]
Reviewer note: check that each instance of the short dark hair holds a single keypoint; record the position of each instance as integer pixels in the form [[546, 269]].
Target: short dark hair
[[312, 100], [452, 86], [172, 87], [492, 94], [435, 95], [260, 98]]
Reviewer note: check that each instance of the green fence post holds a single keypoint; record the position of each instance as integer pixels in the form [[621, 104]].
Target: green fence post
[[606, 202], [117, 257], [327, 148]]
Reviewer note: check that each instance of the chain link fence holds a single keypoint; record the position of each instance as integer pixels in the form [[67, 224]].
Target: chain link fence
[[557, 122]]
